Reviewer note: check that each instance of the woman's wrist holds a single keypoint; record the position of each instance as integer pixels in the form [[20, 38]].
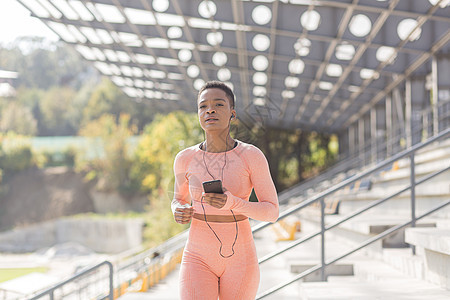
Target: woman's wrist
[[230, 200]]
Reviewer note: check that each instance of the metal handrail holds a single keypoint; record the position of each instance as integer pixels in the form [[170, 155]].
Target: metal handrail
[[50, 291], [352, 161], [353, 179], [356, 213], [359, 247], [320, 197]]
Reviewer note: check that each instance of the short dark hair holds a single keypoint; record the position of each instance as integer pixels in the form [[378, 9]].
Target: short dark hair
[[214, 84]]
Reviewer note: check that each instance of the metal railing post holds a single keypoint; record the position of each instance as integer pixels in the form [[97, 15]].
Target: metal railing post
[[413, 196], [111, 283], [322, 238]]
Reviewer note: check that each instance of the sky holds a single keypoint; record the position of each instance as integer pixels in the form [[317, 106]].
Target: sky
[[15, 21]]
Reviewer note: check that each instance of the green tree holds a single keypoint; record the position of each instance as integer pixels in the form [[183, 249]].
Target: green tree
[[17, 118], [106, 98], [160, 142], [46, 64], [59, 115], [113, 170], [153, 168]]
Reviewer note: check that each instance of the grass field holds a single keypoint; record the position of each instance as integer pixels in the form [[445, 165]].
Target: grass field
[[8, 274]]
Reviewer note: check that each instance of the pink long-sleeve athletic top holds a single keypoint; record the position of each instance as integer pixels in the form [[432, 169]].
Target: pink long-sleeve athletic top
[[246, 167]]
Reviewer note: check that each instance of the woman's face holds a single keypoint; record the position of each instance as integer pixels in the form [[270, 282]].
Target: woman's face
[[214, 109]]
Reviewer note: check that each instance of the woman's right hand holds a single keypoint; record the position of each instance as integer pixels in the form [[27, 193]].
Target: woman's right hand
[[183, 213]]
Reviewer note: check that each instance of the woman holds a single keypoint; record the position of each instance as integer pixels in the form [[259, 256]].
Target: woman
[[219, 259]]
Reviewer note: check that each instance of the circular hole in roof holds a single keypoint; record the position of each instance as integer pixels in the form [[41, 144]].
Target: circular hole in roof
[[259, 78], [149, 84], [259, 101], [219, 59], [261, 42], [193, 71], [160, 5], [443, 4], [310, 20], [386, 54], [334, 70], [325, 85], [184, 55], [261, 15], [360, 25], [405, 27], [345, 51], [368, 73], [207, 9], [291, 82], [224, 74], [214, 38], [296, 66], [157, 94], [302, 46], [198, 83], [287, 94], [259, 91], [139, 83], [260, 63], [174, 32]]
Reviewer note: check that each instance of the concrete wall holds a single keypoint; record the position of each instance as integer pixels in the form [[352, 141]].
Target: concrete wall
[[28, 239], [113, 202], [100, 235]]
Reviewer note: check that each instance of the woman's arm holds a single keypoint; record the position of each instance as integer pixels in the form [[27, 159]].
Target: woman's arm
[[267, 207], [181, 208]]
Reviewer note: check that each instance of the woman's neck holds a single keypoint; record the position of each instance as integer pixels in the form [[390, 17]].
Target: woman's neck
[[216, 143]]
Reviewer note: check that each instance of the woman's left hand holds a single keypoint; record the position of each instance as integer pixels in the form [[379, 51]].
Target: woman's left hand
[[215, 200]]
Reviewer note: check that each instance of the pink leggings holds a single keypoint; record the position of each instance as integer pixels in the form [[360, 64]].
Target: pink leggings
[[205, 275]]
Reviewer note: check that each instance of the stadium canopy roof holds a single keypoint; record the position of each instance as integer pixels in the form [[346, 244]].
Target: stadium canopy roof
[[316, 65]]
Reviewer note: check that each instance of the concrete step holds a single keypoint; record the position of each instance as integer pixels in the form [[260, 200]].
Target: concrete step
[[433, 246], [373, 280], [404, 261], [430, 153], [420, 170], [337, 269], [356, 290], [365, 226]]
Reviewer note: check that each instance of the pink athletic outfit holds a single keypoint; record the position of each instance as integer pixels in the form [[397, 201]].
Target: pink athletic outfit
[[205, 274]]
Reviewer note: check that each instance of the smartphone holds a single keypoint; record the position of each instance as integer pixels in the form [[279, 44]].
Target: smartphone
[[213, 186]]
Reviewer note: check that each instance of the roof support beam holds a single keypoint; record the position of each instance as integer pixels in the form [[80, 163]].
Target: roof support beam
[[438, 45]]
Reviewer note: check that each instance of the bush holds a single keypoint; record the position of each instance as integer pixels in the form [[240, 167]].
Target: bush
[[16, 160], [57, 159]]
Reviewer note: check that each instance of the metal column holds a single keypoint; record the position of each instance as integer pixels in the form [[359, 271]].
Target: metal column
[[408, 113], [361, 141], [373, 135], [389, 122], [434, 95], [418, 103]]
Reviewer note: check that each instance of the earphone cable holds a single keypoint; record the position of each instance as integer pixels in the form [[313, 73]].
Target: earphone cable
[[201, 201]]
